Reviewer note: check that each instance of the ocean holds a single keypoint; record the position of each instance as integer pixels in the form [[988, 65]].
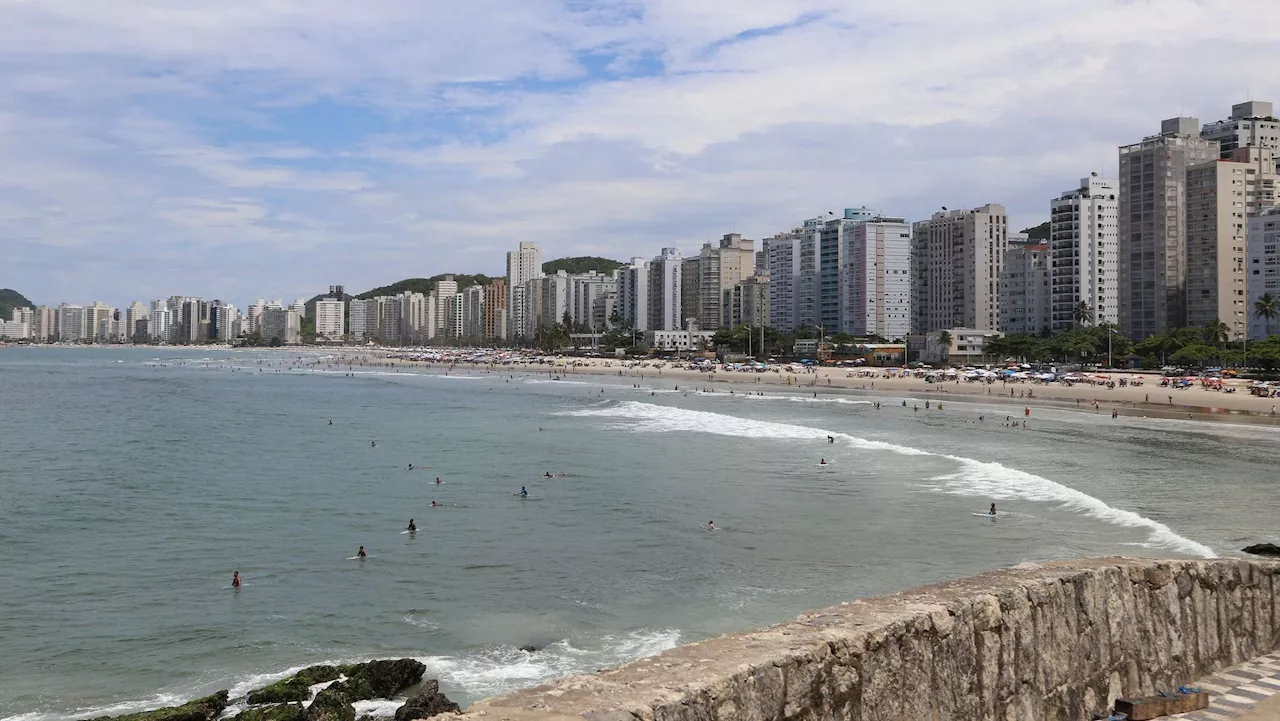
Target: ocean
[[133, 482]]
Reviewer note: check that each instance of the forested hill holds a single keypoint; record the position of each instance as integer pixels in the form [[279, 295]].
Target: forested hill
[[581, 264], [10, 299]]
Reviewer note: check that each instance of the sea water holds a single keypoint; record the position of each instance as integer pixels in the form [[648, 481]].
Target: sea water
[[133, 482]]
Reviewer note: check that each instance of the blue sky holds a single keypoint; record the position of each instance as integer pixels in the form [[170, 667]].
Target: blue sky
[[244, 149]]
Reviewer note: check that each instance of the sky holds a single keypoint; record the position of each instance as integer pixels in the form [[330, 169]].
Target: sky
[[267, 149]]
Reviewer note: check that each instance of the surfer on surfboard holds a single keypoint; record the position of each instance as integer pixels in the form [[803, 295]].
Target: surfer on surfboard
[[822, 462], [524, 492], [361, 553], [412, 526], [711, 525], [993, 509], [235, 579]]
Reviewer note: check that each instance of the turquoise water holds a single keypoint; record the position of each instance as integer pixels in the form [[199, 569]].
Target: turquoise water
[[134, 482]]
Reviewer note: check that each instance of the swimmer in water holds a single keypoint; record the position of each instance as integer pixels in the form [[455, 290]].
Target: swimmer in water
[[438, 481], [412, 526], [361, 553], [524, 493], [711, 525], [373, 444], [235, 579], [822, 462], [330, 422], [548, 474], [411, 466], [436, 505]]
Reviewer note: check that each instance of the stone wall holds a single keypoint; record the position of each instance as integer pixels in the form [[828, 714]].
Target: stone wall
[[1046, 641]]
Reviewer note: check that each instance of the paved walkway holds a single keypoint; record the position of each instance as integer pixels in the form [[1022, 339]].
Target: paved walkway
[[1236, 692]]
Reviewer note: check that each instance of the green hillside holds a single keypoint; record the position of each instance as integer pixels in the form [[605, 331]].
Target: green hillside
[[1038, 232], [581, 264], [424, 285], [10, 299]]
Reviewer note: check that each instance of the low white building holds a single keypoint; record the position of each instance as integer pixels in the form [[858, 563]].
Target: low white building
[[15, 329], [677, 340], [967, 347]]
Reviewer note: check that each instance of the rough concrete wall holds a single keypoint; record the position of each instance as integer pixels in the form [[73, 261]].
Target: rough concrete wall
[[1049, 641]]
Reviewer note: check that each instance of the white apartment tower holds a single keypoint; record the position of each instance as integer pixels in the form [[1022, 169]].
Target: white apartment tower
[[633, 294], [331, 322], [665, 309], [1252, 125], [1152, 232], [1221, 196], [1084, 228], [720, 267], [956, 260], [875, 276], [523, 265], [782, 258]]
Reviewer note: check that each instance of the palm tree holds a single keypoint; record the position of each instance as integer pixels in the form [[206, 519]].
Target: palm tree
[[1266, 307], [1082, 314], [945, 339], [1215, 331]]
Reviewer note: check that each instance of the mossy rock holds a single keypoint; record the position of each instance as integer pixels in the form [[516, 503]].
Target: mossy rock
[[330, 705], [279, 712], [296, 688], [201, 709]]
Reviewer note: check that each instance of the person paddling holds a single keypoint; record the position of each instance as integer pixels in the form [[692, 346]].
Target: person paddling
[[524, 493]]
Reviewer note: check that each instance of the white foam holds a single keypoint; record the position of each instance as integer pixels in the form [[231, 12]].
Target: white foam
[[799, 399], [160, 700], [975, 478], [504, 668], [380, 708]]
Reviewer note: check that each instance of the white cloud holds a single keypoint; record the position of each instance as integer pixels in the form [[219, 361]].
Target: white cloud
[[245, 149]]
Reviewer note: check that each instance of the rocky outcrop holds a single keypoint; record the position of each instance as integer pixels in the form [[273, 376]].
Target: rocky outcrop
[[330, 705], [379, 679], [1263, 549], [201, 709], [426, 703], [295, 688], [277, 712], [1058, 641]]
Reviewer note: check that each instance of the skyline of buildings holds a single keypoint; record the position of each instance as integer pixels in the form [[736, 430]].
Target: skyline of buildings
[[1169, 243]]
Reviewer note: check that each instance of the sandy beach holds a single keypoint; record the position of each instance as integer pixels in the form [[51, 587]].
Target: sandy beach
[[1149, 399]]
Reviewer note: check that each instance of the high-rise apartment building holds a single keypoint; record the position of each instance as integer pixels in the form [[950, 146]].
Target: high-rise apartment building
[[495, 310], [299, 306], [633, 294], [746, 303], [70, 323], [956, 260], [284, 325], [1152, 232], [585, 290], [1252, 125], [1264, 269], [874, 283], [135, 318], [473, 300], [721, 267], [782, 263], [1084, 240], [665, 309], [1221, 196], [1025, 290], [364, 319], [42, 323], [690, 293], [331, 319], [97, 322], [523, 264], [554, 297]]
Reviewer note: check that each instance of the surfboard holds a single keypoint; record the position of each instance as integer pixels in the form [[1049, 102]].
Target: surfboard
[[986, 515], [357, 558], [408, 531]]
